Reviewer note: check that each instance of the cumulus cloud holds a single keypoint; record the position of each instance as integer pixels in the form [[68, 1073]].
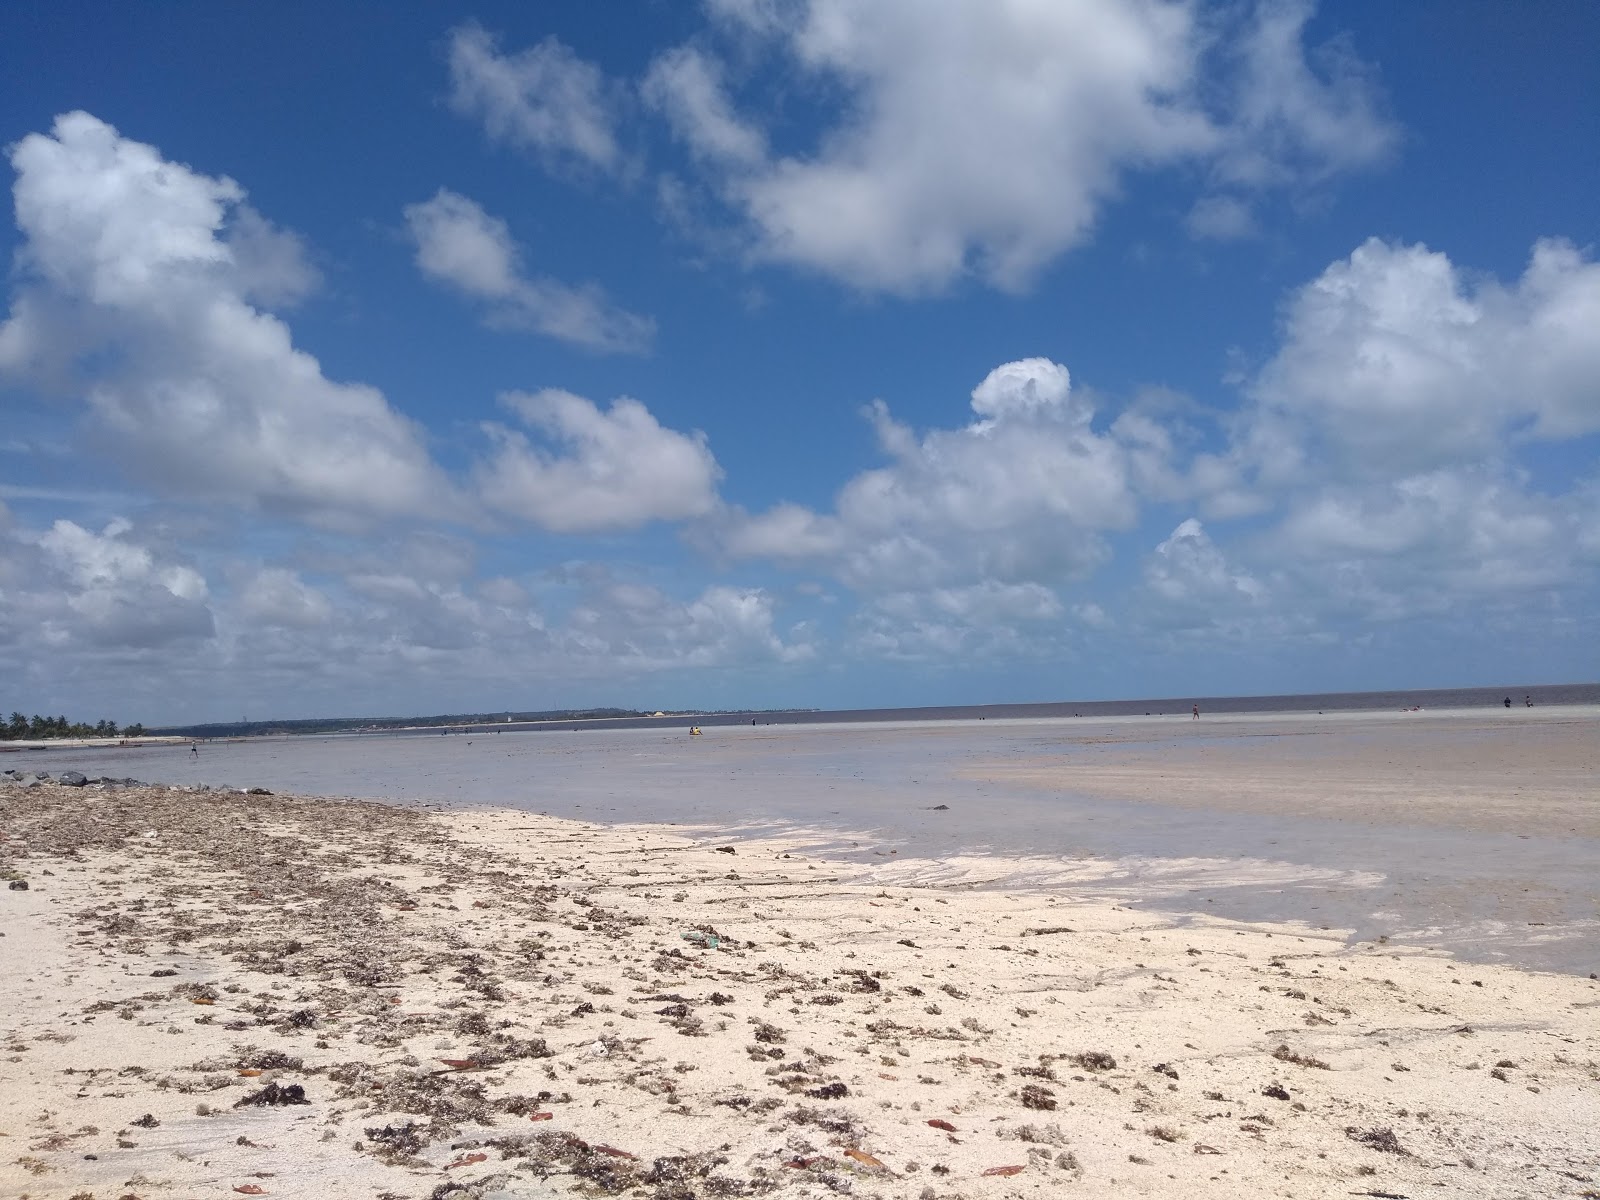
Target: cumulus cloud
[[277, 596], [136, 276], [460, 245], [1395, 361], [983, 620], [983, 138], [972, 137], [595, 471], [1188, 567], [72, 588], [544, 99], [1022, 493], [612, 629], [89, 612], [637, 625], [1444, 539], [1380, 448]]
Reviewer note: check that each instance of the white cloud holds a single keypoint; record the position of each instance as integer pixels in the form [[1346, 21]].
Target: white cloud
[[982, 137], [1394, 361], [1188, 567], [972, 137], [132, 295], [271, 264], [979, 621], [617, 469], [102, 560], [983, 602], [544, 99], [1021, 494], [460, 245], [279, 597], [70, 588], [1383, 444], [615, 628], [686, 85], [1445, 539], [86, 614], [1284, 123]]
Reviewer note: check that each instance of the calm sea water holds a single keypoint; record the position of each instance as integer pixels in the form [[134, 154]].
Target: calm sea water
[[1436, 698]]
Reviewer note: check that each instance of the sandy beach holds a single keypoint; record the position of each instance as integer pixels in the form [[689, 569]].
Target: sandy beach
[[208, 993]]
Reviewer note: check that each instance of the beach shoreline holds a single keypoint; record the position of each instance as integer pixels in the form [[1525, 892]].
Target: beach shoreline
[[639, 1009], [1470, 832]]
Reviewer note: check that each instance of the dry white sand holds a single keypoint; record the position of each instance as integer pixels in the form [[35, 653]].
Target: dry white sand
[[497, 1004]]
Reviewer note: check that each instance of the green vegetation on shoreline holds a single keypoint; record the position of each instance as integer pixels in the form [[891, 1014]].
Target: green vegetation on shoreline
[[37, 728]]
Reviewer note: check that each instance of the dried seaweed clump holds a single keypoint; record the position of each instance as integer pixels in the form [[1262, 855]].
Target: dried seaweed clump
[[1034, 1096], [611, 1171], [838, 1123], [447, 1100], [1377, 1139], [1284, 1054], [1094, 1060], [397, 1144], [274, 1096]]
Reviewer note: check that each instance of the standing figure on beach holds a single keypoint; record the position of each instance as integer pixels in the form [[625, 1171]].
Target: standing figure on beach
[[194, 751], [1196, 716]]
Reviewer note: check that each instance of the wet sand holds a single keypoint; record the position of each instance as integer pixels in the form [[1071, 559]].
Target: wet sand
[[215, 994]]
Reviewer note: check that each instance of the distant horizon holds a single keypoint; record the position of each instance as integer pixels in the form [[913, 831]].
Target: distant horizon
[[488, 717]]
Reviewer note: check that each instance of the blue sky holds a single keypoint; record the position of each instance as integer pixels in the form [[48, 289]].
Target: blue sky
[[793, 352]]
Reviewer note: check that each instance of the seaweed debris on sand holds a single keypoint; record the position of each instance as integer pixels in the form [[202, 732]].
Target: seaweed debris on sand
[[208, 990]]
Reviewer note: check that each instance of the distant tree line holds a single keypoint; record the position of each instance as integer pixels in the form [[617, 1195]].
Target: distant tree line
[[35, 728]]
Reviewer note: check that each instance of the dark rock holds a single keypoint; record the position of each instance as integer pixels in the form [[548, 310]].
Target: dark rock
[[73, 779], [148, 1121], [18, 885], [257, 791]]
